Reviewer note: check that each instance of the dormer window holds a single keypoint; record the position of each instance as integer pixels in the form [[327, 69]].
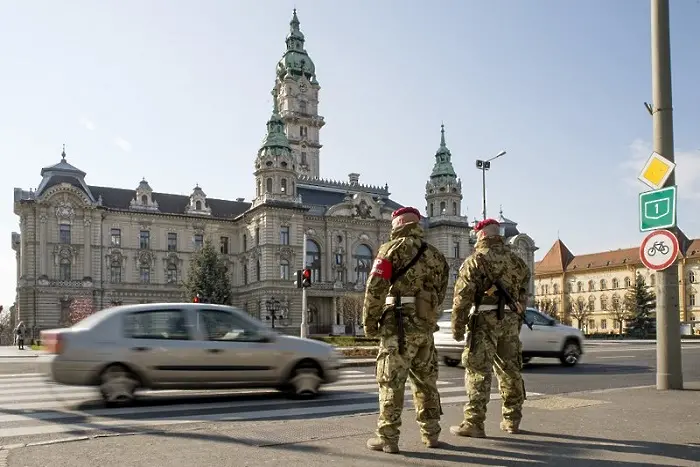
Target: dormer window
[[198, 203], [143, 199]]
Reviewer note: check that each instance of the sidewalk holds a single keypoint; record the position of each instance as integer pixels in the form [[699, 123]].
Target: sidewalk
[[7, 351], [634, 341], [617, 428]]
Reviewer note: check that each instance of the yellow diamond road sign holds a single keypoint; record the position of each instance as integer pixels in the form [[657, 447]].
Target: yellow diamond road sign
[[656, 171]]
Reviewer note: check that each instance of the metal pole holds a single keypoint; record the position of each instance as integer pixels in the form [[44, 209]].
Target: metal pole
[[483, 188], [669, 372], [304, 332]]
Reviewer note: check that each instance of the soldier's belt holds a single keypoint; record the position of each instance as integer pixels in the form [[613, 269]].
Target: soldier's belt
[[404, 300], [488, 307]]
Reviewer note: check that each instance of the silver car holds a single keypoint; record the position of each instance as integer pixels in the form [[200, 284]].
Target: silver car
[[183, 346], [548, 338]]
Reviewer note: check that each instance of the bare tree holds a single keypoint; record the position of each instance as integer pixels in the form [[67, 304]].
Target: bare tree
[[351, 310], [620, 314], [548, 307], [6, 331], [579, 311], [80, 308]]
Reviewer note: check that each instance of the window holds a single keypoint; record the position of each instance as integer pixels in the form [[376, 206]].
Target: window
[[313, 260], [303, 159], [172, 241], [628, 282], [157, 324], [615, 284], [283, 185], [604, 303], [245, 274], [691, 277], [145, 275], [284, 235], [145, 240], [245, 242], [303, 131], [284, 270], [363, 258], [227, 326], [579, 287], [268, 185], [198, 205], [223, 245], [115, 272], [115, 237], [171, 274], [591, 286], [64, 270], [545, 289], [64, 233], [257, 188], [591, 303], [455, 251], [257, 235], [432, 209], [454, 208], [691, 300], [603, 324], [555, 288], [603, 285], [537, 318], [144, 199], [591, 324], [257, 271], [198, 241], [302, 107], [616, 302], [442, 208]]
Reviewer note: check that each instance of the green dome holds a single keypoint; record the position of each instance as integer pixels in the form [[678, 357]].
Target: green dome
[[296, 61], [443, 160]]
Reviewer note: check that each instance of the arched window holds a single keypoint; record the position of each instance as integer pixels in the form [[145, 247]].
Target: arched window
[[591, 303], [591, 286], [64, 270], [313, 260], [115, 272], [691, 277], [293, 189], [268, 187], [616, 302], [257, 189], [257, 271], [363, 260], [628, 282], [171, 274], [198, 205], [691, 300], [604, 303], [615, 284], [283, 185], [603, 284], [284, 270], [555, 288], [144, 199], [579, 287], [454, 208], [432, 209], [443, 209]]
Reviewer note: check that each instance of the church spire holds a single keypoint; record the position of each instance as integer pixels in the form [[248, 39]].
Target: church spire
[[296, 61], [443, 159], [443, 191]]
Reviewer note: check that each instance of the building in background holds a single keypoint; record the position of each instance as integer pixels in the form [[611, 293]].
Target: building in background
[[600, 281], [103, 246]]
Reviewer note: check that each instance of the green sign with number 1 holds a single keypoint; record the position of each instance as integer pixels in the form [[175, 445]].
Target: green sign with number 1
[[657, 209]]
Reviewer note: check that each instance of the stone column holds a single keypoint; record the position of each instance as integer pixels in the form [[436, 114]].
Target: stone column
[[43, 253], [87, 242], [329, 258]]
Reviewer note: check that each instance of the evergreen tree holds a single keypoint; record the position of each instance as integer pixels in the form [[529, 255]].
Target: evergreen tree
[[208, 277], [640, 303]]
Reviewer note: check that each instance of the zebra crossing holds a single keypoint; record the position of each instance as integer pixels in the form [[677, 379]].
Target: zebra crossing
[[31, 406]]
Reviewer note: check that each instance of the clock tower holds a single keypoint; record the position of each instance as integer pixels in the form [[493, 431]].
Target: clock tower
[[296, 91]]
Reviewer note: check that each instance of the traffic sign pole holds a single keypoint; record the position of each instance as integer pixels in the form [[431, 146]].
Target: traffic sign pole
[[669, 370], [304, 331]]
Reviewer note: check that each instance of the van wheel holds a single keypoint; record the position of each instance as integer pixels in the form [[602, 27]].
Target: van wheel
[[451, 361], [571, 353]]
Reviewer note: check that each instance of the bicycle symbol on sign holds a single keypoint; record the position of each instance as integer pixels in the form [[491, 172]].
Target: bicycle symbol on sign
[[659, 246]]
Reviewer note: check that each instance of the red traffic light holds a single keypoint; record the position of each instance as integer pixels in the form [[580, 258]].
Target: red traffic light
[[196, 299], [306, 273]]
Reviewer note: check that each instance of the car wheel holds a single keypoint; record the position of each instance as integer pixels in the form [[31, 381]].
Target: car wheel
[[451, 361], [571, 353], [118, 385], [305, 380]]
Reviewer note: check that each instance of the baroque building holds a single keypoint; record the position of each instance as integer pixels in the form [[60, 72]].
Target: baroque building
[[599, 281], [107, 246]]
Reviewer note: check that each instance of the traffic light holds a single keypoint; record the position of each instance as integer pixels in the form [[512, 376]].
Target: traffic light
[[297, 279], [197, 299], [306, 278]]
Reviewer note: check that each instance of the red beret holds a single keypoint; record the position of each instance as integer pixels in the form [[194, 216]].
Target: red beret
[[406, 210], [484, 223]]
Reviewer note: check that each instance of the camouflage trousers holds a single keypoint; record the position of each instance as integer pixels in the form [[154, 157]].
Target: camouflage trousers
[[496, 345], [419, 362]]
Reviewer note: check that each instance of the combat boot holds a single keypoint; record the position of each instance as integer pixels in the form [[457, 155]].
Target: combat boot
[[378, 444], [470, 431], [510, 427], [431, 441]]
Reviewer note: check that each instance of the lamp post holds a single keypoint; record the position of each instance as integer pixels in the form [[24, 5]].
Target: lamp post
[[485, 165], [273, 306]]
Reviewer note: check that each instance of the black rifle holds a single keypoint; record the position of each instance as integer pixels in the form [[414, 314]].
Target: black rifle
[[398, 306], [505, 296]]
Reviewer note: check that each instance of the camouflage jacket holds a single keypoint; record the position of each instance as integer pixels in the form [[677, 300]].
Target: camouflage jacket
[[492, 253], [427, 280]]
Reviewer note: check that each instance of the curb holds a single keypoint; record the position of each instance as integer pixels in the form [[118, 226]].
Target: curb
[[358, 362]]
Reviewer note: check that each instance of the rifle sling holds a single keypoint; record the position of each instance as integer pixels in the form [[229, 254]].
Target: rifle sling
[[401, 271]]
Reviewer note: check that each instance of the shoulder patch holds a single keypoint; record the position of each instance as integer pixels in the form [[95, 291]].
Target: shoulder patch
[[382, 268]]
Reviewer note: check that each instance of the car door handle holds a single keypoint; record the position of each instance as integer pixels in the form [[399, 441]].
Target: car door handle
[[140, 349], [214, 350]]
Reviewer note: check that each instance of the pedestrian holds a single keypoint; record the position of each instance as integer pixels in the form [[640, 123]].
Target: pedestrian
[[19, 335], [405, 288], [493, 330]]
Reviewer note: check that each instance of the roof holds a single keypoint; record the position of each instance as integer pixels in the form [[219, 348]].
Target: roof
[[324, 198], [559, 258]]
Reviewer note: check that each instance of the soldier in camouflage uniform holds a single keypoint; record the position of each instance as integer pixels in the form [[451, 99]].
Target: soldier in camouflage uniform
[[492, 343], [413, 297]]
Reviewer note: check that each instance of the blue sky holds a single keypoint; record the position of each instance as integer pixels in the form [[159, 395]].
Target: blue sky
[[179, 92]]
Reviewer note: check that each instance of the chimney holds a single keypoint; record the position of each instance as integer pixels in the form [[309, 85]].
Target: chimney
[[354, 178]]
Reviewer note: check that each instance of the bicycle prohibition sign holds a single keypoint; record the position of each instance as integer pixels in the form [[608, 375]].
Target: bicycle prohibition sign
[[659, 250]]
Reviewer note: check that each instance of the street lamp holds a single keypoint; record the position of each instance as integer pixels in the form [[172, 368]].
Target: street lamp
[[485, 165], [273, 306]]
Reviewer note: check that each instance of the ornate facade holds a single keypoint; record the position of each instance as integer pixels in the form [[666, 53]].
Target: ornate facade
[[600, 280], [121, 246]]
